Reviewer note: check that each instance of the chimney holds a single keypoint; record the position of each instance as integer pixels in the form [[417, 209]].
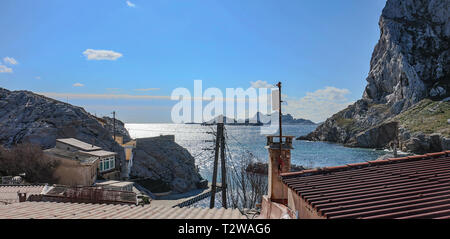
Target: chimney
[[22, 196], [277, 191]]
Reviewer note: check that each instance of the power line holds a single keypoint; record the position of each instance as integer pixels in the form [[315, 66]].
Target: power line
[[243, 146]]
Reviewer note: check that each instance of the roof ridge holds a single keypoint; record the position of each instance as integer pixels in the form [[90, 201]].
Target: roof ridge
[[23, 185], [309, 172]]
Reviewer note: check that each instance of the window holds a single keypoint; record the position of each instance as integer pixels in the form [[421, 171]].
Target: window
[[107, 164]]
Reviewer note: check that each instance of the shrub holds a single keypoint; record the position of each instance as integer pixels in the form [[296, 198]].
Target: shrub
[[29, 159]]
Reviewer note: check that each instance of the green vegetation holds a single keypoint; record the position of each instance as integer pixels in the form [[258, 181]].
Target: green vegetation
[[345, 123], [427, 116], [350, 125], [380, 108]]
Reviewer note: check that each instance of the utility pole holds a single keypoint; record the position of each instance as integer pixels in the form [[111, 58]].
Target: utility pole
[[281, 129], [216, 159], [114, 124], [220, 143], [224, 169]]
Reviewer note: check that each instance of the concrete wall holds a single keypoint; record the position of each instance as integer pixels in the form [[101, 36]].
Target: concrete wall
[[72, 173], [274, 210], [303, 209]]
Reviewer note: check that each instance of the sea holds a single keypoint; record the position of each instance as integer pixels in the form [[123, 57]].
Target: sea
[[248, 142], [244, 142]]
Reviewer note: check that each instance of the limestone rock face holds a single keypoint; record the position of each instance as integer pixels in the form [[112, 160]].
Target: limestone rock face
[[411, 62], [411, 59], [33, 118], [376, 137], [160, 158]]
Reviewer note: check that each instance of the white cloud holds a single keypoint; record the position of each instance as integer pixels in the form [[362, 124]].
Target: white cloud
[[318, 105], [78, 85], [38, 77], [5, 69], [92, 54], [148, 89], [130, 4], [260, 84], [104, 96], [10, 60]]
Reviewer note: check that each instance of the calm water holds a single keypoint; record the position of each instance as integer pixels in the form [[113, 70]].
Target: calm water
[[243, 140]]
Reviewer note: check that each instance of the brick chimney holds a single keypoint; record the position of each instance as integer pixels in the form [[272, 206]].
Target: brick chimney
[[277, 192]]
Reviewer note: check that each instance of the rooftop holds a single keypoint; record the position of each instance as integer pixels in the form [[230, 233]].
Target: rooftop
[[99, 153], [60, 193], [79, 144], [55, 210], [408, 187], [87, 159], [8, 193]]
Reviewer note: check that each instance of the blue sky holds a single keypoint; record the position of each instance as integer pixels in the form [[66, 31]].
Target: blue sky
[[320, 50]]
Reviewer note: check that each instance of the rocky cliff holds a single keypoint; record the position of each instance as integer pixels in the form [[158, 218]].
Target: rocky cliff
[[410, 66], [161, 159], [29, 117]]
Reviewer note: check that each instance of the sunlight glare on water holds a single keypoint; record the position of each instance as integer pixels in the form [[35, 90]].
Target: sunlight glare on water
[[244, 139]]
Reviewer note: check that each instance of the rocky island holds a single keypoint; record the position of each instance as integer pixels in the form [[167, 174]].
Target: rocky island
[[406, 99], [260, 119]]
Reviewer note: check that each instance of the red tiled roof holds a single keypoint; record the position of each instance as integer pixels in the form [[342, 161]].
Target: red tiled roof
[[54, 210], [408, 187]]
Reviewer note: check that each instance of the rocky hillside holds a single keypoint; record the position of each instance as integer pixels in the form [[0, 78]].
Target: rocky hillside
[[29, 117], [120, 128], [161, 159], [409, 64]]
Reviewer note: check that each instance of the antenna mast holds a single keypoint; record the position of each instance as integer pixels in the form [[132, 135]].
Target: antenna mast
[[280, 125]]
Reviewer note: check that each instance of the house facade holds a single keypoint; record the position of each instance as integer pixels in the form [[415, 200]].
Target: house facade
[[82, 163], [128, 148]]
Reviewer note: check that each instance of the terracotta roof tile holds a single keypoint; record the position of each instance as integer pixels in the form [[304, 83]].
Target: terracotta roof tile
[[55, 210], [407, 187]]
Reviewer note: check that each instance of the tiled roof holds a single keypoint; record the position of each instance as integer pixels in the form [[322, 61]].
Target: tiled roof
[[49, 210], [8, 193], [408, 187]]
